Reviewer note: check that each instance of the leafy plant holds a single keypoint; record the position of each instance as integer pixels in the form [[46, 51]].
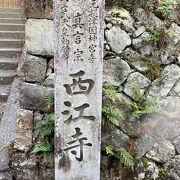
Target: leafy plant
[[112, 106], [167, 6], [112, 115], [110, 110], [50, 100], [162, 172], [125, 158], [147, 107], [154, 35], [142, 105], [110, 91], [43, 147], [46, 128]]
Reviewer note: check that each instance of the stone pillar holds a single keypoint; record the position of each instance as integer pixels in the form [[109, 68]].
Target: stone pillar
[[79, 26]]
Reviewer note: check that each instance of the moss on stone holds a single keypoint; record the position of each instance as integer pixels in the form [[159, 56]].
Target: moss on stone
[[129, 4], [145, 161], [154, 69]]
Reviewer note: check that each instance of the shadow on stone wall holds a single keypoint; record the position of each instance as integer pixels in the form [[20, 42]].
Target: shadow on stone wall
[[38, 9]]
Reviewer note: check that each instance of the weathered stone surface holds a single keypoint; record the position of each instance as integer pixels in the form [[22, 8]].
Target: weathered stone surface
[[146, 170], [171, 45], [49, 82], [117, 38], [113, 136], [32, 167], [137, 42], [176, 143], [8, 124], [166, 122], [143, 45], [115, 71], [162, 86], [37, 118], [148, 19], [6, 176], [49, 71], [112, 169], [165, 57], [134, 59], [34, 97], [136, 79], [139, 31], [39, 37], [132, 127], [174, 16], [109, 25], [176, 89], [79, 69], [38, 9], [32, 68], [139, 65], [161, 152], [174, 33], [124, 71], [123, 98], [173, 167], [143, 145], [178, 58], [121, 17], [24, 130]]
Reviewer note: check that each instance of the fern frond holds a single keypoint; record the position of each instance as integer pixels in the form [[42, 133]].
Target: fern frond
[[50, 100], [112, 114], [149, 107], [109, 150], [46, 126], [125, 158], [44, 147], [137, 94], [110, 91]]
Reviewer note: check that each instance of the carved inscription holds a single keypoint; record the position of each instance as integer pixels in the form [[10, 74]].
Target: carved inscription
[[84, 85], [80, 109], [80, 144], [78, 88], [65, 35], [93, 20], [78, 36]]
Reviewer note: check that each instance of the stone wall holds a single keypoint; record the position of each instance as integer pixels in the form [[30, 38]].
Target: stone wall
[[38, 9], [36, 71], [141, 50]]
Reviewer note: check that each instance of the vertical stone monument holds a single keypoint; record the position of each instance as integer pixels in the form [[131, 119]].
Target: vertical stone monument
[[79, 26]]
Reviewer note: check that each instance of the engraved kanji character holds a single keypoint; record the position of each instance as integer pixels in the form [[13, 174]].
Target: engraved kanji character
[[79, 109], [93, 30], [92, 48], [77, 138], [77, 36], [78, 55], [92, 58], [65, 20], [93, 20], [64, 8], [84, 86], [77, 21], [64, 40], [92, 37]]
